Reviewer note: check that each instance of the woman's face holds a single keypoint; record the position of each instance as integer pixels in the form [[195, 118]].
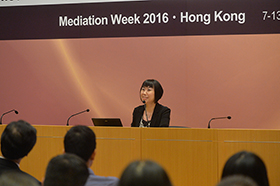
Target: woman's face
[[147, 94]]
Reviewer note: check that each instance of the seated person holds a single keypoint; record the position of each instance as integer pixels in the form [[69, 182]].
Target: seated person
[[66, 170], [81, 140], [17, 140], [151, 114], [247, 164], [144, 173]]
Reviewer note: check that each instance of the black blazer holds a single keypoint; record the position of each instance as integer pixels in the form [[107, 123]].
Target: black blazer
[[8, 165], [160, 118]]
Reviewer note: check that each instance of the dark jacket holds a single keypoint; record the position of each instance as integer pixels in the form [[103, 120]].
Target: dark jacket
[[160, 118], [8, 165]]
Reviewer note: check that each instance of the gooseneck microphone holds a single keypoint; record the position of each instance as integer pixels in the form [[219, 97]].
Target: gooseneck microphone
[[7, 113], [75, 115], [146, 113], [228, 117]]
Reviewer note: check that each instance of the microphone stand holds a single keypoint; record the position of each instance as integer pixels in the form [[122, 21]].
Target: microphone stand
[[67, 124], [7, 113], [228, 117]]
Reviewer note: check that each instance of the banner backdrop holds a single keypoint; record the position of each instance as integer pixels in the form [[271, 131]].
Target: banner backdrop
[[144, 18], [213, 59]]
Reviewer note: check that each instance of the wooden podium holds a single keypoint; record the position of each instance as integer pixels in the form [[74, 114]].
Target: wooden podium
[[191, 157]]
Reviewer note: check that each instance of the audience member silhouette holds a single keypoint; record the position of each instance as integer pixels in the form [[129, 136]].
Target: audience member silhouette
[[147, 173], [17, 140], [247, 164], [237, 180], [81, 140], [66, 170]]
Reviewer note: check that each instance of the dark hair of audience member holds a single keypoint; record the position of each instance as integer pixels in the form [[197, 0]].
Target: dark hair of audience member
[[237, 180], [17, 140], [15, 178], [144, 173], [66, 170], [80, 140], [156, 86], [247, 164]]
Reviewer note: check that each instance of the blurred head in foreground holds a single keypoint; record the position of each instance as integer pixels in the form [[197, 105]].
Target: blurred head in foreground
[[66, 170], [148, 173], [247, 164], [237, 180]]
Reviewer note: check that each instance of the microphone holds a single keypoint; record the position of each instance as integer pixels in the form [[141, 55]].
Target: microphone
[[7, 113], [75, 115], [146, 113], [228, 117]]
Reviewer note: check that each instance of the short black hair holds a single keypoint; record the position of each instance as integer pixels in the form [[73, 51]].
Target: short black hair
[[66, 170], [148, 173], [156, 86], [18, 139], [247, 164], [80, 140]]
